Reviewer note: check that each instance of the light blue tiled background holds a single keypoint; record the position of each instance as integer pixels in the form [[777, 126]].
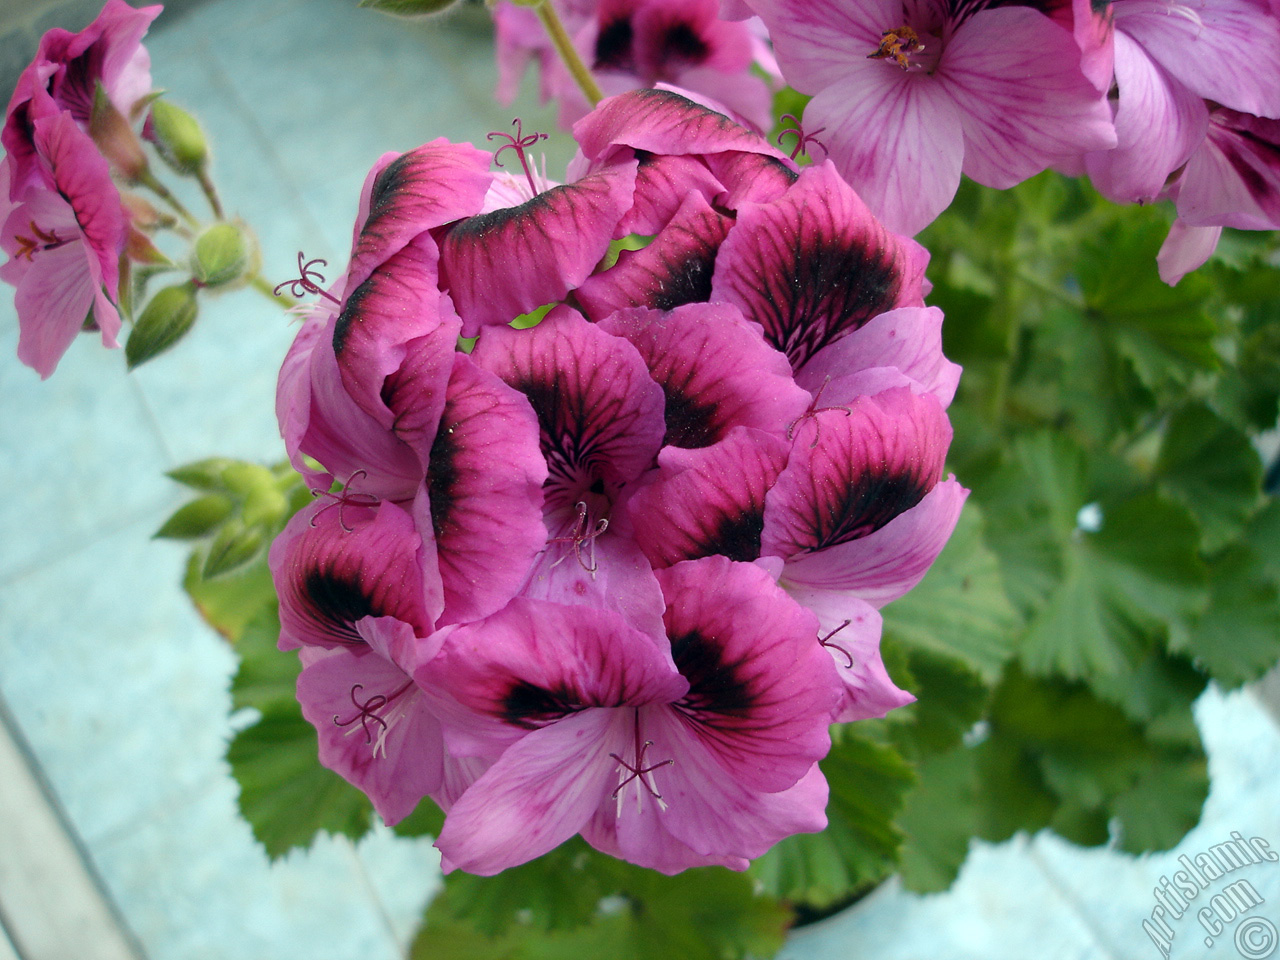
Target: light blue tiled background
[[121, 690]]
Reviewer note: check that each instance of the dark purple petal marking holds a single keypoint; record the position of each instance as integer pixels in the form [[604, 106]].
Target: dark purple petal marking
[[613, 46], [851, 472], [814, 266], [429, 186], [541, 249], [529, 707], [599, 411], [715, 506], [674, 269], [336, 602]]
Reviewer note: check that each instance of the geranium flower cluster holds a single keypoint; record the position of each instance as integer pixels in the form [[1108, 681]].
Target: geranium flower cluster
[[614, 573], [62, 220]]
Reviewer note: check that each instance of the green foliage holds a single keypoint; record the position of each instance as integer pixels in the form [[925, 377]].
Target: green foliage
[[575, 902]]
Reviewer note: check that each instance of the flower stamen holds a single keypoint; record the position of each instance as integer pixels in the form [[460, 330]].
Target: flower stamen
[[896, 44], [826, 642], [369, 710], [519, 143], [38, 242], [802, 139], [813, 411], [344, 497], [581, 535], [638, 771], [306, 281]]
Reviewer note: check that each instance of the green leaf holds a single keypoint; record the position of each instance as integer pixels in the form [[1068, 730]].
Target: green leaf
[[704, 914], [229, 603], [959, 610], [860, 845], [950, 699], [938, 820], [267, 676], [1166, 802], [195, 519], [285, 794], [1212, 469], [427, 820], [1238, 638]]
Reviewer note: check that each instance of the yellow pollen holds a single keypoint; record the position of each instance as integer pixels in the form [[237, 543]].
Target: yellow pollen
[[896, 44]]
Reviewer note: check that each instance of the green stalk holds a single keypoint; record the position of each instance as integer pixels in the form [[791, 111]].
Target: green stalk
[[264, 287], [564, 46]]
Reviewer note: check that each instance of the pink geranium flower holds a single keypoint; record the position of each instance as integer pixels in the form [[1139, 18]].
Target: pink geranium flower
[[64, 233], [910, 95], [69, 67]]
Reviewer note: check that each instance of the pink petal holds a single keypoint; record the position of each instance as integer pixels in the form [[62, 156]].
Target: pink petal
[[714, 507], [815, 265], [542, 248], [374, 727], [1015, 62], [884, 565], [761, 690], [53, 300], [1233, 179], [908, 339], [1186, 248], [484, 479]]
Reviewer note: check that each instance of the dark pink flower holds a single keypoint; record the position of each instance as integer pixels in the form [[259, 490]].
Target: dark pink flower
[[69, 67], [64, 232], [912, 94]]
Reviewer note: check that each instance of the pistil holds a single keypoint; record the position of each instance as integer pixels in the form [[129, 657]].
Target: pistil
[[638, 771], [519, 143], [306, 281]]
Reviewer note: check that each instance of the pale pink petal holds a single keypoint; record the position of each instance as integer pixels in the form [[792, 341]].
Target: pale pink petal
[[1233, 179], [1186, 248]]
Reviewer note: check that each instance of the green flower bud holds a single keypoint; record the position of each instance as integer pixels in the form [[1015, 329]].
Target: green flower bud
[[235, 545], [408, 8], [203, 474], [164, 321], [178, 138], [196, 519], [248, 479], [223, 254]]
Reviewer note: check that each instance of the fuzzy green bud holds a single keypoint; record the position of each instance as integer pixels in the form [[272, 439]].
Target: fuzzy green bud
[[235, 545], [223, 254], [178, 138], [164, 321], [408, 8]]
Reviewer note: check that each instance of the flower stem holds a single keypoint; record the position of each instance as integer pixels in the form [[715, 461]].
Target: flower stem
[[264, 287], [148, 180], [564, 46], [210, 192]]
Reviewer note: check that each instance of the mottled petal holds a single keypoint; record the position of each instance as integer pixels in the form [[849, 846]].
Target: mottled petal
[[542, 249], [337, 563], [815, 265], [714, 507], [761, 689], [484, 479]]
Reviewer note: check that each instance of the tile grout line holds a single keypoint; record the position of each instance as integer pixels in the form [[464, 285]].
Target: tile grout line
[[402, 949]]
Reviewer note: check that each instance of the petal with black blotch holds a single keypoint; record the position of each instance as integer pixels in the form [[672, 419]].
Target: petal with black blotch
[[715, 371], [815, 265], [674, 269], [484, 483], [599, 411], [337, 563], [499, 265], [714, 507], [410, 193], [853, 470], [663, 181]]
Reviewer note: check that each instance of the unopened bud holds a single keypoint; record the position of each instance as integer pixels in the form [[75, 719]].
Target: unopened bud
[[223, 253], [204, 474], [177, 137], [114, 137], [164, 321], [234, 546], [196, 519], [408, 8]]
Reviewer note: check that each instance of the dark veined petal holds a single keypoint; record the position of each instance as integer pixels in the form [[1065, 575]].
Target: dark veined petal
[[715, 371], [815, 265], [663, 182], [714, 507], [674, 269], [337, 563], [761, 688], [407, 194], [540, 250], [853, 470], [396, 304], [599, 411], [484, 481]]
